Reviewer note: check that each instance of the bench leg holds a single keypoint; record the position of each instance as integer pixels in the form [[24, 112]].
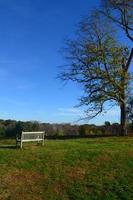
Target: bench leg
[[17, 144]]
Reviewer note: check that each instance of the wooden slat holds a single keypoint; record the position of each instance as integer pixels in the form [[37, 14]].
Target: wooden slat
[[30, 140], [39, 132]]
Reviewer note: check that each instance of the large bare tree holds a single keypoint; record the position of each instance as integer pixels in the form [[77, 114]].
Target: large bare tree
[[120, 13], [97, 61]]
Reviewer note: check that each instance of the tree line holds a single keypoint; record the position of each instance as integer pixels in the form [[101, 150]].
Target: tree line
[[11, 128]]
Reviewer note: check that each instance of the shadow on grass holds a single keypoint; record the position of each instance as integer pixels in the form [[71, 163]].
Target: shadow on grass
[[8, 147]]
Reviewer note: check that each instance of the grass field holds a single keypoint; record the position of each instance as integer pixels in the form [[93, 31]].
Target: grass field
[[82, 169]]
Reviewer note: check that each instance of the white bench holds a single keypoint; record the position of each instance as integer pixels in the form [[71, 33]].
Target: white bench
[[30, 137]]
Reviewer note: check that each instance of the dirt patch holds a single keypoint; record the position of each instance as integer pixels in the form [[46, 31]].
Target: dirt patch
[[103, 158], [75, 173], [130, 153], [58, 187], [22, 184]]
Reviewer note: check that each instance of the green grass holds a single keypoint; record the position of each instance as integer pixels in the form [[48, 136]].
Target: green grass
[[82, 169]]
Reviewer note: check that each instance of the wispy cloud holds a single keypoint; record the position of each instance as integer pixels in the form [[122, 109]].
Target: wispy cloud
[[69, 112]]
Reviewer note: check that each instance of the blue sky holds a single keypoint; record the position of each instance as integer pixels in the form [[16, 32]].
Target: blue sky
[[31, 34]]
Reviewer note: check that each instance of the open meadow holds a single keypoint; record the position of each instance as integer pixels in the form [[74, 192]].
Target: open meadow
[[82, 169]]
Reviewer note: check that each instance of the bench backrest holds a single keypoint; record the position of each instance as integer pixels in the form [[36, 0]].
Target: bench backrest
[[32, 136]]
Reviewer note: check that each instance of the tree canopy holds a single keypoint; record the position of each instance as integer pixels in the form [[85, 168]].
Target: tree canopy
[[97, 60]]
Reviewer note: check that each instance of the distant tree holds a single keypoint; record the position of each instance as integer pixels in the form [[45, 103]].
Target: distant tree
[[28, 126], [10, 128], [100, 64], [107, 123], [82, 130], [2, 131], [35, 126], [19, 128]]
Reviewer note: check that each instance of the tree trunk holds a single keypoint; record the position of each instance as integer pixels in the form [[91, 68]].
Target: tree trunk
[[123, 97], [123, 119]]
